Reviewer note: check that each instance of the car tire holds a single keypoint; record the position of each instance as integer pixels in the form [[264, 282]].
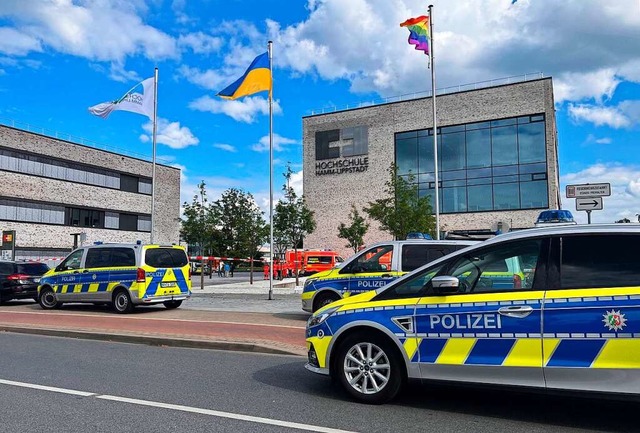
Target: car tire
[[47, 299], [369, 368], [122, 302], [172, 304], [324, 299]]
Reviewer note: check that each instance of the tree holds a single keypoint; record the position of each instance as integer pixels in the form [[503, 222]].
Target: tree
[[355, 232], [242, 224], [198, 227], [403, 211], [292, 219]]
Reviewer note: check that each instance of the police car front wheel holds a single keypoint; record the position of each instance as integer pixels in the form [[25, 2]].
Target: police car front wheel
[[47, 299], [369, 368]]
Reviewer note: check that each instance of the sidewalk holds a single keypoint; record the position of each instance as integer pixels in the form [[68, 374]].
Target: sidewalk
[[280, 333], [217, 284]]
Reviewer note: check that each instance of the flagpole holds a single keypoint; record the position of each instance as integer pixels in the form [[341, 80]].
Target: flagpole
[[272, 267], [153, 167], [435, 128]]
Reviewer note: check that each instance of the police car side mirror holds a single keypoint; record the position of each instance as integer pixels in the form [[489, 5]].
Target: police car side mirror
[[445, 284]]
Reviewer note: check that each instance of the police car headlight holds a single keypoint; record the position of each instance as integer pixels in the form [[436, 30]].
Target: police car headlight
[[316, 320], [309, 281]]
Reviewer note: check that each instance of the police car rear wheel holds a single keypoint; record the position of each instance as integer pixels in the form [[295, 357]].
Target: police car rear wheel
[[172, 304], [48, 300], [122, 302], [369, 368]]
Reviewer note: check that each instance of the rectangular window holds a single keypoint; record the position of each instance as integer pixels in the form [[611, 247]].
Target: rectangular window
[[453, 151], [531, 143], [599, 261], [128, 183], [504, 145], [478, 148], [480, 198], [144, 186], [144, 224], [111, 220], [533, 195], [407, 156], [128, 222], [506, 196], [454, 199], [425, 155]]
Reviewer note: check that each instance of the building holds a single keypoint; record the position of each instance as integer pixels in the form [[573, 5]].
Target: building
[[498, 160], [51, 189]]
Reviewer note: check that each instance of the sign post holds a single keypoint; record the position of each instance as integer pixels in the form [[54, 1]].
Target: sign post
[[8, 244], [589, 196]]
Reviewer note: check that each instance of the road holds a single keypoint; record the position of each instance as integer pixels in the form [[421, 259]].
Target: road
[[108, 387]]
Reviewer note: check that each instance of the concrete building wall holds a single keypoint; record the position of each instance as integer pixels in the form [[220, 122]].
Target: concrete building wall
[[331, 196], [44, 189]]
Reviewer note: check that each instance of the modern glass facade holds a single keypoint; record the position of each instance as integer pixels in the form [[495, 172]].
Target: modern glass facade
[[484, 166]]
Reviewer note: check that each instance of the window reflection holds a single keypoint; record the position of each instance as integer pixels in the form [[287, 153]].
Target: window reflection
[[483, 166]]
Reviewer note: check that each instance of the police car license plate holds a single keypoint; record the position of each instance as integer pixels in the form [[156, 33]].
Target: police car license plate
[[171, 284]]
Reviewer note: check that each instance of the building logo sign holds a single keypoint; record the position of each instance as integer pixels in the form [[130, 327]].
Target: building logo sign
[[342, 150]]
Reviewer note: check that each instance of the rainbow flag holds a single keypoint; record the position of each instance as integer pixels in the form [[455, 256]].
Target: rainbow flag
[[256, 78], [418, 32]]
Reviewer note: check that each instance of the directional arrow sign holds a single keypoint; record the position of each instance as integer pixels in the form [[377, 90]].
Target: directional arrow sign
[[594, 203]]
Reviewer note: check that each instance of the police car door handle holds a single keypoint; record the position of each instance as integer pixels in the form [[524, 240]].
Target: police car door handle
[[516, 311]]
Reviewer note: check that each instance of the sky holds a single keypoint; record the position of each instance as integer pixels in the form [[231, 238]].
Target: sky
[[59, 57]]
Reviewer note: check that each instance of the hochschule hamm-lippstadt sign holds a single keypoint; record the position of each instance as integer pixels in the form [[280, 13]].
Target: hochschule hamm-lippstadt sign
[[342, 151]]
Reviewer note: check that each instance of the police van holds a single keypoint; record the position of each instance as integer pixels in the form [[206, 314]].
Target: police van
[[373, 268], [554, 308], [121, 275]]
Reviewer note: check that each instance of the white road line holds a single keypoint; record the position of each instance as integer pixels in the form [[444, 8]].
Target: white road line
[[262, 325], [189, 409]]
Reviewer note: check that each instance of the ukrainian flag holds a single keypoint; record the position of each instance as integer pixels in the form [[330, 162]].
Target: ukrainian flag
[[256, 78]]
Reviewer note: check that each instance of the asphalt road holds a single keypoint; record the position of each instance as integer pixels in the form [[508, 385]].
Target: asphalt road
[[114, 387]]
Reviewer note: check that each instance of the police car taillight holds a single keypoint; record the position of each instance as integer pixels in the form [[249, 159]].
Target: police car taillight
[[141, 276], [517, 282]]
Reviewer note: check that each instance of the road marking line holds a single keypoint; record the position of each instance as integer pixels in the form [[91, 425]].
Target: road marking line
[[47, 388], [189, 409], [156, 318]]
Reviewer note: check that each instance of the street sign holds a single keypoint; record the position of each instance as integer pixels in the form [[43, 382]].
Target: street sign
[[589, 190], [591, 203]]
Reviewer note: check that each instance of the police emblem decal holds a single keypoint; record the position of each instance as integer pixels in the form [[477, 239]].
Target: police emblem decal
[[614, 320], [93, 277]]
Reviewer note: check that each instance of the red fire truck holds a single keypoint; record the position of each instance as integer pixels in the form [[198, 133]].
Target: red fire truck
[[308, 262]]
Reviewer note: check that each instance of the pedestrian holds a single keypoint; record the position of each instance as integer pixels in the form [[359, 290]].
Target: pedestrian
[[220, 268], [226, 269], [233, 267]]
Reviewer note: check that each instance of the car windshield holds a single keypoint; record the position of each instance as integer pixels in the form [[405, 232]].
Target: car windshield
[[32, 268]]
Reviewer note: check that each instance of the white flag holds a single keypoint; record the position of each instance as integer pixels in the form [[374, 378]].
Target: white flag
[[134, 102]]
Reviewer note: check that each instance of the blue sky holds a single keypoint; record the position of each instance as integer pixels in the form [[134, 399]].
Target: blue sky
[[59, 57]]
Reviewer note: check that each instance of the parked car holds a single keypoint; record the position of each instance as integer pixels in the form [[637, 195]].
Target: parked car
[[554, 308], [19, 280]]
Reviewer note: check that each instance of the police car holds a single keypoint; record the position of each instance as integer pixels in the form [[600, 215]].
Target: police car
[[122, 275], [372, 268], [568, 319]]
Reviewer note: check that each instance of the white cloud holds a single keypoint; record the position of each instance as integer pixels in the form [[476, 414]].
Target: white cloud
[[170, 134], [242, 110], [624, 201], [370, 50], [576, 86], [16, 43], [209, 79], [102, 30], [225, 147], [278, 143], [200, 43], [598, 115]]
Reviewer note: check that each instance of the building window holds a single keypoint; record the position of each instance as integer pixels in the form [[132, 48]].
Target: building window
[[483, 166], [14, 210], [128, 222], [144, 224], [37, 165], [85, 218]]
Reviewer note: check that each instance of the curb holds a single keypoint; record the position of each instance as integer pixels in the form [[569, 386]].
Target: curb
[[153, 340]]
